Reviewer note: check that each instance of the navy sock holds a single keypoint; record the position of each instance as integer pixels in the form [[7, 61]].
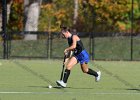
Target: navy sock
[[66, 75], [92, 72]]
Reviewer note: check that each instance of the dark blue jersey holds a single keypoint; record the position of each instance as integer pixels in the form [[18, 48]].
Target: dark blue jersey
[[79, 46]]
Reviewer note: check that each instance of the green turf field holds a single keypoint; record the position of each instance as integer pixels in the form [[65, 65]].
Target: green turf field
[[29, 80]]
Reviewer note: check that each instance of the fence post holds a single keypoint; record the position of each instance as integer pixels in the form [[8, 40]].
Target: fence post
[[49, 49], [132, 19], [91, 46]]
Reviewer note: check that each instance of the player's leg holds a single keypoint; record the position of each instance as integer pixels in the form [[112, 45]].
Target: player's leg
[[71, 63], [84, 59], [89, 71]]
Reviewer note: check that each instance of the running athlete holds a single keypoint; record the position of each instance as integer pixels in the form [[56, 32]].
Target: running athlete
[[80, 55]]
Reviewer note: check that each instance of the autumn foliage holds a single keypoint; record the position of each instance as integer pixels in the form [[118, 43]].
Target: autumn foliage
[[16, 16], [93, 15]]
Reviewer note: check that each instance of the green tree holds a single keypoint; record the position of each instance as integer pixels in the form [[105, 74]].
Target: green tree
[[93, 15], [55, 13], [15, 22], [136, 16]]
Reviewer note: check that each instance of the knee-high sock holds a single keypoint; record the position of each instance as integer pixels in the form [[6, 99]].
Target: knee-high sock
[[66, 75], [92, 72]]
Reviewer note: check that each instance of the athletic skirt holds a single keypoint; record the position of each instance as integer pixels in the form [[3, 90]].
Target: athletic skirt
[[83, 57]]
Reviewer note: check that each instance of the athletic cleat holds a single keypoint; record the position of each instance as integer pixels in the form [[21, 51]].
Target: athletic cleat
[[61, 83], [98, 77]]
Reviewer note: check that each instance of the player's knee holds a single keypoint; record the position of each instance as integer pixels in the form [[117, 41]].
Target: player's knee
[[85, 70], [68, 67]]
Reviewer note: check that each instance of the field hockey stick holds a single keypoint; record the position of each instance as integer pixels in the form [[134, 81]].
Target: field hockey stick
[[63, 68]]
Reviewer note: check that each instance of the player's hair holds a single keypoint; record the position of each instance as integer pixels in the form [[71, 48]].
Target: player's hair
[[66, 28]]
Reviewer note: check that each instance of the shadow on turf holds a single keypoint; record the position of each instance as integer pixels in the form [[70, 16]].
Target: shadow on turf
[[58, 87], [78, 88], [134, 90], [38, 86]]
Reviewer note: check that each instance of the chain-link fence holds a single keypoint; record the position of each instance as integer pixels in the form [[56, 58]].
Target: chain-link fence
[[31, 45], [99, 47], [109, 30]]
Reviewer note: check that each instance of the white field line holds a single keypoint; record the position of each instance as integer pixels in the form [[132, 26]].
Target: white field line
[[73, 93]]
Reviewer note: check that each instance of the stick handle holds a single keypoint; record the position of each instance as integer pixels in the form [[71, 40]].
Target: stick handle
[[63, 68]]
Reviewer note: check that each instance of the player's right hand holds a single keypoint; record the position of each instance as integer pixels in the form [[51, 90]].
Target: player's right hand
[[65, 52]]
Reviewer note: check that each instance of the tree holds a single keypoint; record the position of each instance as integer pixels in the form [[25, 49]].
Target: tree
[[32, 11], [53, 14], [15, 22], [75, 12], [9, 2], [136, 16], [98, 15]]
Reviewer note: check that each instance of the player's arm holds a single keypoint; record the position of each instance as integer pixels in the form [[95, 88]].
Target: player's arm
[[69, 51], [73, 46], [68, 56]]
